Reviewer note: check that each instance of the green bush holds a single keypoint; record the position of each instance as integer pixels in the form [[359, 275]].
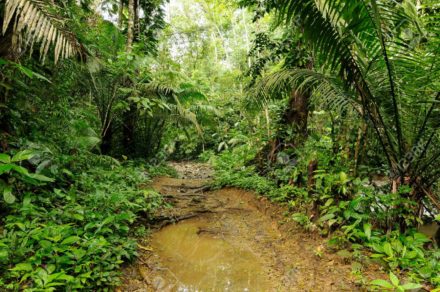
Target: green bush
[[350, 210], [75, 235]]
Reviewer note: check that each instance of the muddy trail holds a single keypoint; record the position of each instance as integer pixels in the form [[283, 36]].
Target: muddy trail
[[231, 240]]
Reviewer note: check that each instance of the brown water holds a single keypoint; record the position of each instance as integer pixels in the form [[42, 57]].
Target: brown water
[[200, 260], [234, 242]]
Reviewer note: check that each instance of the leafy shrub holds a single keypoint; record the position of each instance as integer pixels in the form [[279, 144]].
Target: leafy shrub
[[350, 210], [78, 235], [394, 284]]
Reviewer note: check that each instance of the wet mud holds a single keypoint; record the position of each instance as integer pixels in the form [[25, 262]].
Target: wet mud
[[232, 240]]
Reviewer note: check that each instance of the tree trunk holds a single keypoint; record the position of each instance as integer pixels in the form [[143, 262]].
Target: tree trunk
[[129, 116], [297, 114], [311, 182], [7, 50], [312, 168], [136, 25], [128, 131], [120, 13], [357, 150], [130, 26], [106, 141]]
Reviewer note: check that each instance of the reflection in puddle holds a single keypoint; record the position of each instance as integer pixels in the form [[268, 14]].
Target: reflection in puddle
[[200, 260]]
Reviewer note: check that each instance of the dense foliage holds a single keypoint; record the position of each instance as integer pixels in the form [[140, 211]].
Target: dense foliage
[[327, 107]]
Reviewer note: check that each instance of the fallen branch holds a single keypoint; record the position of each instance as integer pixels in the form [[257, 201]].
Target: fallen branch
[[432, 199]]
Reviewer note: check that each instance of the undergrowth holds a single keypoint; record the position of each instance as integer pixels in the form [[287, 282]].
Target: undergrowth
[[360, 221], [74, 230]]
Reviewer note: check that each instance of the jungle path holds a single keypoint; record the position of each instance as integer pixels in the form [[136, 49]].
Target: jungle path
[[230, 240]]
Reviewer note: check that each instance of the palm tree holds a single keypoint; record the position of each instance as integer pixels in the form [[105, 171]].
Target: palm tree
[[380, 58]]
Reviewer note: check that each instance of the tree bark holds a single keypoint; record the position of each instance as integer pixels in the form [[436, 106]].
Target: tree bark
[[357, 150], [128, 131], [298, 113], [130, 26], [106, 141], [312, 168], [120, 13], [136, 25], [296, 116]]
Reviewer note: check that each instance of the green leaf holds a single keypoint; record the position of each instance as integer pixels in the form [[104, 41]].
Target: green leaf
[[40, 177], [343, 177], [78, 217], [410, 286], [394, 279], [382, 283], [3, 254], [22, 267], [331, 222], [326, 217], [329, 202], [388, 250], [26, 71], [70, 240], [5, 168], [79, 253], [20, 225], [19, 169], [4, 158], [108, 220], [377, 256], [23, 155], [367, 230], [8, 196], [31, 74]]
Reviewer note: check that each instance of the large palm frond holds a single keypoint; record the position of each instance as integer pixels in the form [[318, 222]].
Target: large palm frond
[[326, 92], [363, 43], [33, 21]]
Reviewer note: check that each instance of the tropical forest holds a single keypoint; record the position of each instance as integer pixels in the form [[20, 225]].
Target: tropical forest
[[219, 145]]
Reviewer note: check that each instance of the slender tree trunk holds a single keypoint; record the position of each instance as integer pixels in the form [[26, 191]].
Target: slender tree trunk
[[129, 116], [128, 131], [312, 168], [106, 144], [120, 13], [357, 150], [248, 47], [136, 26], [311, 182], [130, 26], [267, 115]]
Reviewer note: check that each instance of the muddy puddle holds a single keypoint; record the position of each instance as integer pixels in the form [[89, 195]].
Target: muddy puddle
[[231, 240], [199, 259]]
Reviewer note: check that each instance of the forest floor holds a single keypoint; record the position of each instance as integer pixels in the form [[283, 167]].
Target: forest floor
[[232, 240]]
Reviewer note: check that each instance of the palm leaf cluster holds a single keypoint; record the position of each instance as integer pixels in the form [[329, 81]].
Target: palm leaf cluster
[[381, 58], [36, 21], [149, 101]]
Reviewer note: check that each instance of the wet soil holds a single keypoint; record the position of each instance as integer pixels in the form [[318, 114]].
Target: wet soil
[[232, 240]]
